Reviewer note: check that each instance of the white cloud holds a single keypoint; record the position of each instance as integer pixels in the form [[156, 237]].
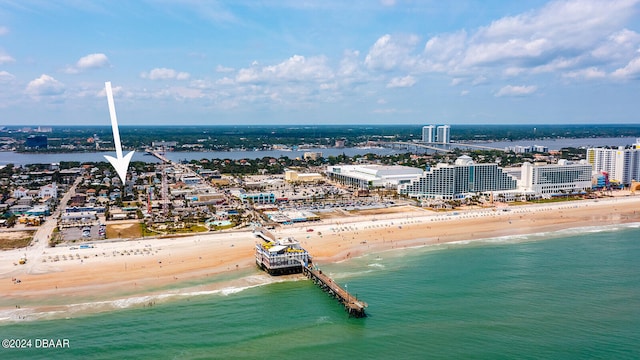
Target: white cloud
[[165, 74], [45, 85], [247, 75], [621, 45], [5, 59], [225, 81], [300, 68], [91, 61], [390, 53], [4, 30], [6, 77], [401, 82], [350, 64], [296, 68], [442, 52], [513, 90], [491, 52], [224, 69], [588, 73], [630, 71], [560, 37], [388, 2], [180, 93]]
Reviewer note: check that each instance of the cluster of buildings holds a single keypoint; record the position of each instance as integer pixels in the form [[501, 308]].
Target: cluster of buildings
[[436, 134], [519, 149], [621, 165], [28, 195], [465, 178]]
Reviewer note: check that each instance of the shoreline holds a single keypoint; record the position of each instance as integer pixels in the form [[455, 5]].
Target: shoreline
[[128, 273]]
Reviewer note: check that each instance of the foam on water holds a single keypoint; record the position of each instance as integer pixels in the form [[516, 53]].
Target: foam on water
[[512, 239], [370, 263], [71, 310]]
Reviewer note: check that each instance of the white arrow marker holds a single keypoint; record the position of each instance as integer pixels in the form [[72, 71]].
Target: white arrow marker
[[121, 164]]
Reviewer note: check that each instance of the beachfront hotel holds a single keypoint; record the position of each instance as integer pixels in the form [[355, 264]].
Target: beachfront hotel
[[457, 181], [565, 177], [372, 176], [622, 164]]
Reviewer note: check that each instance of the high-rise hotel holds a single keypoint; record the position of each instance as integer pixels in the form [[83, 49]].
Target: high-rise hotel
[[457, 181], [550, 179], [622, 164]]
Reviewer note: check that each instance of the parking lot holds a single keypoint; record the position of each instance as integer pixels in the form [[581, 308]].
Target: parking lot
[[83, 233]]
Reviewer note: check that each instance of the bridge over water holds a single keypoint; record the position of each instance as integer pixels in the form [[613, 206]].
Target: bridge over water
[[436, 147]]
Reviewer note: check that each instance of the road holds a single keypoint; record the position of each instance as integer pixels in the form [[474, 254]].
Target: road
[[40, 242]]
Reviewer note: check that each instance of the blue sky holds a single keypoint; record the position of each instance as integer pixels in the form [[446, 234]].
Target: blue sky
[[320, 62]]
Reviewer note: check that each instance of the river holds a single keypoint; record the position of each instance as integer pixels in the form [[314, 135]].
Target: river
[[8, 157]]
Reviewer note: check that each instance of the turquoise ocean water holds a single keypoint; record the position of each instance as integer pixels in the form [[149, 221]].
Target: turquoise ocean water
[[568, 295]]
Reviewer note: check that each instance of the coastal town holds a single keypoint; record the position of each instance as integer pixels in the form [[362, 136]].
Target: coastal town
[[81, 217], [322, 179], [168, 197]]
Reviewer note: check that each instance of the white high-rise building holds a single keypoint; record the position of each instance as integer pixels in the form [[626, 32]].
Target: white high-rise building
[[457, 181], [428, 134], [622, 165], [443, 134], [565, 177]]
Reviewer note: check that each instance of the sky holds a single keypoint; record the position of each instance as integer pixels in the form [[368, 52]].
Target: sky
[[174, 62]]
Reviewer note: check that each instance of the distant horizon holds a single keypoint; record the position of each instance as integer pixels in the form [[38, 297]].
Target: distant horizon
[[332, 125]]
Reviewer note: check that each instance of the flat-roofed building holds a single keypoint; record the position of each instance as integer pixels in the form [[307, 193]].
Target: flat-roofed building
[[565, 177], [256, 198], [372, 176], [294, 176]]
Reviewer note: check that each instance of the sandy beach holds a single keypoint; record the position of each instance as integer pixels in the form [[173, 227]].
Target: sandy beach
[[114, 270]]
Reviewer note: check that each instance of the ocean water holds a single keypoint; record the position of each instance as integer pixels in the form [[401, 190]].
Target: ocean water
[[568, 295]]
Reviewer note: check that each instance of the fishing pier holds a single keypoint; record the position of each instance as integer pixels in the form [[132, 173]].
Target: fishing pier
[[351, 303], [286, 256]]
